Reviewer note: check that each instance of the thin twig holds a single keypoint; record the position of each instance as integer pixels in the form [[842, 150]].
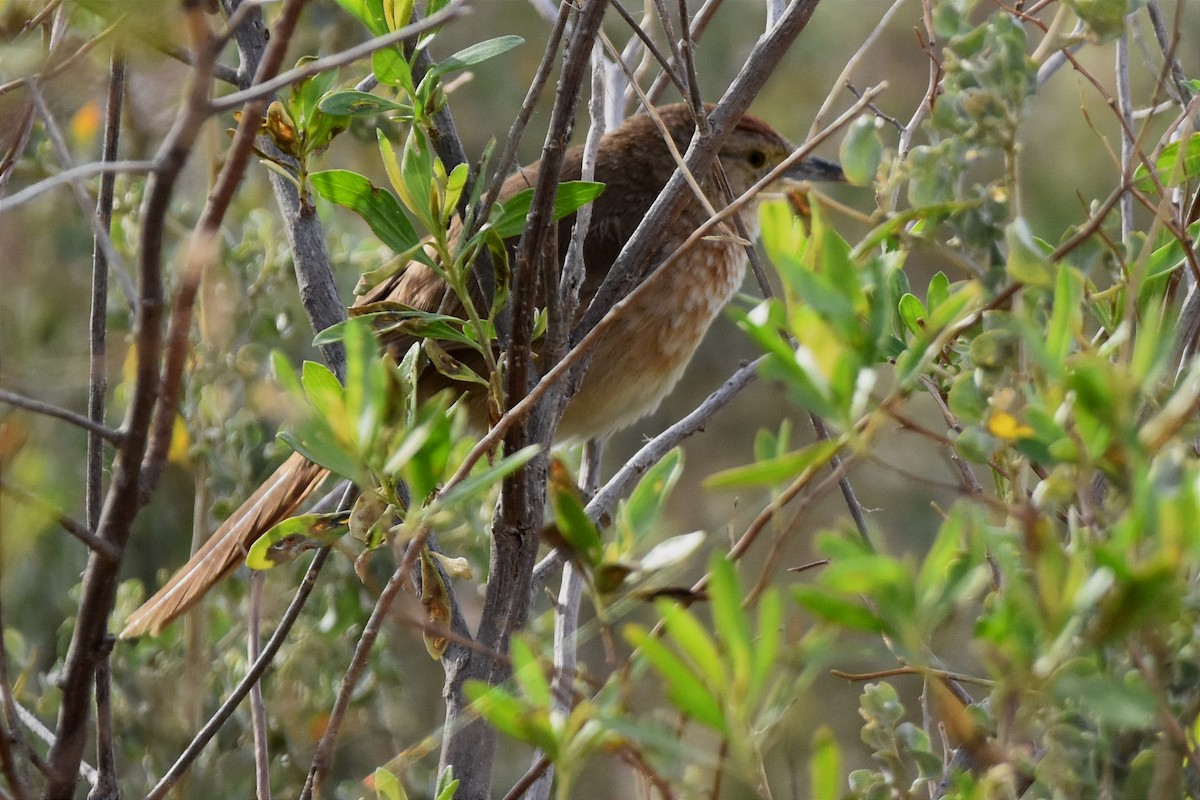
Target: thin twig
[[38, 407], [253, 674], [258, 711], [340, 59], [54, 133], [106, 787], [71, 175], [72, 526], [323, 755]]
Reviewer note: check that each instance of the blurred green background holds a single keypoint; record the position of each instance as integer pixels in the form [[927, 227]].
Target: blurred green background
[[250, 307]]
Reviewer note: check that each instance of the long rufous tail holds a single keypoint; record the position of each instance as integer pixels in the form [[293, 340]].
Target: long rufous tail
[[276, 500]]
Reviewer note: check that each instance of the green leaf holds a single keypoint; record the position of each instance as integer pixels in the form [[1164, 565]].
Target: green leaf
[[580, 532], [1178, 162], [861, 150], [447, 785], [286, 375], [285, 541], [378, 207], [477, 54], [323, 390], [368, 12], [825, 766], [837, 610], [1026, 259], [366, 382], [938, 291], [684, 689], [766, 646], [733, 628], [320, 447], [639, 514], [352, 103], [689, 635], [480, 481], [1066, 318], [387, 785], [391, 68], [528, 673], [508, 220], [912, 314], [774, 470]]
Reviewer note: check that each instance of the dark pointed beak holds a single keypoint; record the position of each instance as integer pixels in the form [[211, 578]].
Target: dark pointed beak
[[815, 168]]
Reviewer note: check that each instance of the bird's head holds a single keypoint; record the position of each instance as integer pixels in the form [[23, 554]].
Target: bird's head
[[753, 149]]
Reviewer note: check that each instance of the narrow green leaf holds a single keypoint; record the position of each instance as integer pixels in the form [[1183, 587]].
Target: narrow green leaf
[[1178, 162], [733, 628], [689, 635], [477, 54], [483, 479], [378, 207], [319, 447], [352, 103], [684, 689], [838, 611], [825, 765], [766, 646], [508, 220], [575, 526], [639, 514], [773, 470]]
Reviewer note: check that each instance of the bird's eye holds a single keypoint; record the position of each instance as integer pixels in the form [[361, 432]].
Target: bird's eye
[[757, 159]]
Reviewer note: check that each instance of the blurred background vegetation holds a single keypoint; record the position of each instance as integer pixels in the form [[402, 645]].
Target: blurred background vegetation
[[249, 307]]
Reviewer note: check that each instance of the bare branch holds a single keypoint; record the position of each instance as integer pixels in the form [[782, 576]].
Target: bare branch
[[256, 671], [348, 56], [38, 407], [71, 176], [71, 526]]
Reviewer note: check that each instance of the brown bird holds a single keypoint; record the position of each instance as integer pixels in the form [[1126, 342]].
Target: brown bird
[[633, 366]]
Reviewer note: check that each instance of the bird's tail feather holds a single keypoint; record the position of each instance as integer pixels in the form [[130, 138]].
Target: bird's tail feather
[[276, 500]]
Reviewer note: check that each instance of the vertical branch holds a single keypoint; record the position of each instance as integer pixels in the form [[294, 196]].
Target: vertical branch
[[106, 787], [469, 749], [97, 390], [566, 623], [302, 226], [124, 499], [14, 750], [566, 613], [258, 712], [1125, 110]]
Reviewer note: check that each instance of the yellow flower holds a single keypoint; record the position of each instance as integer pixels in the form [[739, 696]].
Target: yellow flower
[[1005, 426]]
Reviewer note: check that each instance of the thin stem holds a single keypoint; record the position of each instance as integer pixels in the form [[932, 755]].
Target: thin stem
[[339, 59], [323, 755], [258, 711], [38, 407], [77, 529], [256, 671], [70, 176]]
